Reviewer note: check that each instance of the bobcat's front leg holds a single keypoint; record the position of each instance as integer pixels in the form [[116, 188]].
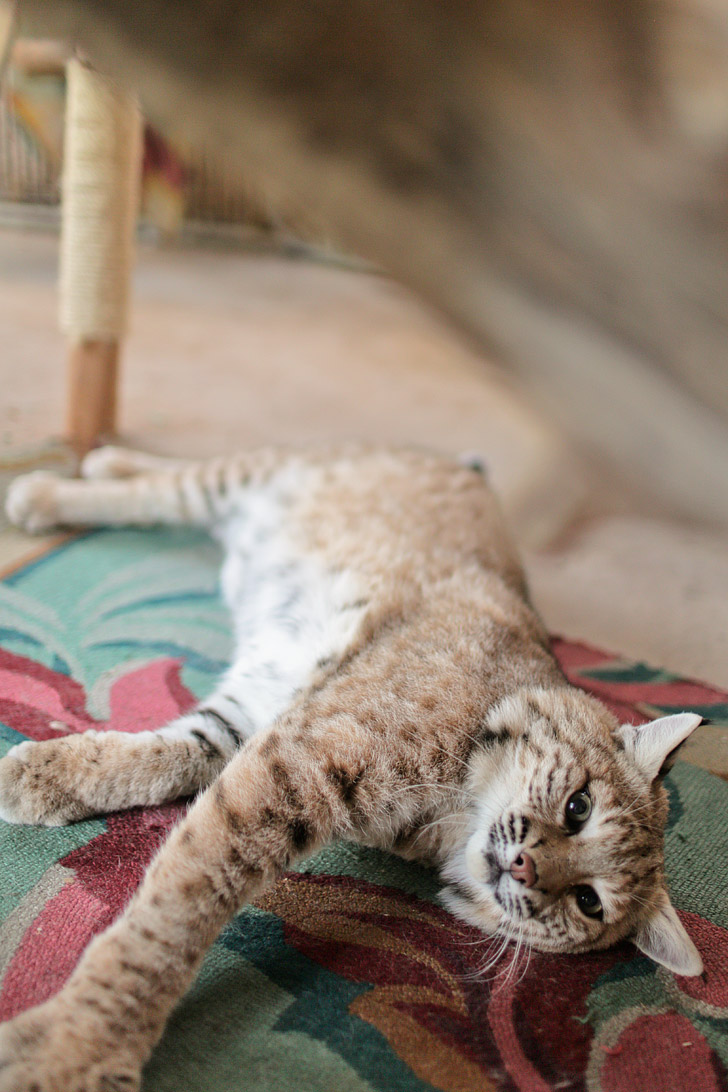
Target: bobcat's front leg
[[62, 780], [276, 801]]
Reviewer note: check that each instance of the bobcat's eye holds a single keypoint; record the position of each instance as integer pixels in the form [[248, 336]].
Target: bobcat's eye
[[578, 809], [588, 901]]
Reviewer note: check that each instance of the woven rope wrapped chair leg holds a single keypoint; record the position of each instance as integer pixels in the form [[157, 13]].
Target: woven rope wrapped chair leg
[[99, 207]]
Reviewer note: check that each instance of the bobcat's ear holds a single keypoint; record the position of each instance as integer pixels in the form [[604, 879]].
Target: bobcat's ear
[[653, 747], [663, 938]]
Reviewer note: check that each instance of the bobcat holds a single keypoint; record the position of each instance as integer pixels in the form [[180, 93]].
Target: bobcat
[[391, 684]]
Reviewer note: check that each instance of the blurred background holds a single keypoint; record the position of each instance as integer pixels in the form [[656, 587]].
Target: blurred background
[[249, 324]]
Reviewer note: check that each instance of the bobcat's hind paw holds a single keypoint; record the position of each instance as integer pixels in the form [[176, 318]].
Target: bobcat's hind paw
[[31, 503], [109, 462]]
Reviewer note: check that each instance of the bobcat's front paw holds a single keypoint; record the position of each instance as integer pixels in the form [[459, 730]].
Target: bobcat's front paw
[[37, 783], [49, 1049], [31, 502]]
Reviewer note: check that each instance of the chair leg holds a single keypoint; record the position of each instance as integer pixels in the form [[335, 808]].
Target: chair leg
[[99, 209], [92, 393]]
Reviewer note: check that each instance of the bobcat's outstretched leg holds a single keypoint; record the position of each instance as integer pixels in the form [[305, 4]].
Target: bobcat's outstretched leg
[[137, 490], [40, 501]]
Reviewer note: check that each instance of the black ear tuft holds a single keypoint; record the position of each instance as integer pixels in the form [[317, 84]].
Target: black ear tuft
[[669, 760]]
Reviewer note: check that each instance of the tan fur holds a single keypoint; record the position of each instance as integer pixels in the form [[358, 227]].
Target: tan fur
[[445, 695]]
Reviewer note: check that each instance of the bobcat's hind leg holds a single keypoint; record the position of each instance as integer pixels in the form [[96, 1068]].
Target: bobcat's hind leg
[[39, 501], [62, 780], [109, 462], [138, 490]]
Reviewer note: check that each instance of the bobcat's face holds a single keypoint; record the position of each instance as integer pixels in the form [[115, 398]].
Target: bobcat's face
[[565, 850]]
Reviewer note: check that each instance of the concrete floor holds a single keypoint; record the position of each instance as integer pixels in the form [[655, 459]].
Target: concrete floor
[[234, 349]]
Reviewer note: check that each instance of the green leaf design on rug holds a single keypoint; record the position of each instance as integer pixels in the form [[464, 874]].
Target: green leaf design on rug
[[231, 1031], [33, 850], [113, 596], [700, 835], [628, 673]]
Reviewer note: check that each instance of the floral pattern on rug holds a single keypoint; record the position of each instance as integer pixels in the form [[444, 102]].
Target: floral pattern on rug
[[348, 974]]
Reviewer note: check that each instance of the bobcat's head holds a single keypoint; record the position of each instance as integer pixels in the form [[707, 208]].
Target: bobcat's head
[[565, 849]]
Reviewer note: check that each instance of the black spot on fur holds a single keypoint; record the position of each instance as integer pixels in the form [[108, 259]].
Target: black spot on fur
[[346, 782], [209, 749], [132, 968], [224, 723], [301, 834], [282, 778], [405, 836], [228, 814], [234, 859], [270, 745], [488, 738], [460, 891], [405, 772]]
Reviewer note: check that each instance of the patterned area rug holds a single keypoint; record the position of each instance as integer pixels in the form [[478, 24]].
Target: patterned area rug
[[348, 976]]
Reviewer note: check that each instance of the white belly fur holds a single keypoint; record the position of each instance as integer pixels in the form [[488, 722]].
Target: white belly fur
[[290, 610]]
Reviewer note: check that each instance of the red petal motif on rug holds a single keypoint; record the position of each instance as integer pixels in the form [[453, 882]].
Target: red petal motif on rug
[[45, 704], [431, 998], [108, 870], [656, 1051], [709, 991], [631, 699], [33, 697]]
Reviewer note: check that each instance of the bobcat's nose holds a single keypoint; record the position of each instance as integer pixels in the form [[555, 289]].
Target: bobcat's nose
[[523, 870]]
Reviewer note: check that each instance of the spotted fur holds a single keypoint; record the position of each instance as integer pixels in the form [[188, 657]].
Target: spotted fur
[[391, 684]]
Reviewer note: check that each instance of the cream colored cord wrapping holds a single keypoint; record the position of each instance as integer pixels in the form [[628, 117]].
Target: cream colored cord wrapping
[[100, 199]]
